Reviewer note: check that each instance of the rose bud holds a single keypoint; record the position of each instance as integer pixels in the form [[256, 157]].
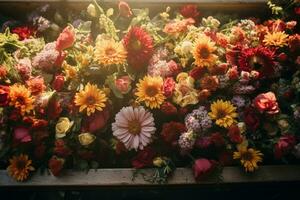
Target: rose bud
[[124, 9], [284, 146], [203, 168], [282, 57], [58, 82], [56, 165], [144, 158], [66, 39], [123, 84]]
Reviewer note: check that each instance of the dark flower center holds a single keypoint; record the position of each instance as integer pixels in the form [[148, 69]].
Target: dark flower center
[[204, 53], [20, 164], [256, 62], [20, 100], [247, 156], [110, 51], [90, 100], [221, 114], [151, 91], [134, 127]]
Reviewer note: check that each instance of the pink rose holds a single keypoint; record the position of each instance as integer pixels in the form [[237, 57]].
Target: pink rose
[[123, 84], [65, 39], [96, 121], [58, 82], [169, 86], [266, 102], [173, 68], [203, 167], [284, 146], [124, 9], [21, 134]]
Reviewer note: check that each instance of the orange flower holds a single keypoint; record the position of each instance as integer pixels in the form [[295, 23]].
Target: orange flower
[[210, 83], [20, 97], [20, 167]]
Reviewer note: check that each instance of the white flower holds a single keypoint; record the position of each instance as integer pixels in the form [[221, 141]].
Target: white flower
[[134, 127], [187, 47]]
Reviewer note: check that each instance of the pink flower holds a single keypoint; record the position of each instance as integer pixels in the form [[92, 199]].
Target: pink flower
[[21, 134], [284, 146], [123, 84], [173, 68], [58, 82], [66, 39], [96, 121], [168, 87], [266, 102], [24, 68], [4, 90], [124, 9], [203, 167]]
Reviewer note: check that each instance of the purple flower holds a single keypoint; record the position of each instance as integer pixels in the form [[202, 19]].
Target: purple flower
[[198, 120]]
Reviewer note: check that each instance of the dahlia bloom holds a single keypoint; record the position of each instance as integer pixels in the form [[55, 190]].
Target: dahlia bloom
[[134, 127]]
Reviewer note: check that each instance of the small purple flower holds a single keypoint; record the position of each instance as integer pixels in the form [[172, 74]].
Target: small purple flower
[[198, 120], [239, 101]]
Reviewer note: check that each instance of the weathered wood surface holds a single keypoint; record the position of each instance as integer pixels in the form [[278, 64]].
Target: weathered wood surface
[[181, 176]]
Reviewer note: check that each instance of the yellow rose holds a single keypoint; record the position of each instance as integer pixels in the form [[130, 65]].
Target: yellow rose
[[185, 95], [86, 139], [62, 127]]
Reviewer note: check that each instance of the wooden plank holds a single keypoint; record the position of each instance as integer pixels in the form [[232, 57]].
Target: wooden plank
[[149, 1], [181, 176]]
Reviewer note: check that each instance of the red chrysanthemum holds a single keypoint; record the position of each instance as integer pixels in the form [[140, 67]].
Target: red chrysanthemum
[[139, 45], [24, 32], [259, 58]]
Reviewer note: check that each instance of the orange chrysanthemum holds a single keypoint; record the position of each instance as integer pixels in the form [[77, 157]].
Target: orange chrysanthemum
[[20, 167], [20, 97]]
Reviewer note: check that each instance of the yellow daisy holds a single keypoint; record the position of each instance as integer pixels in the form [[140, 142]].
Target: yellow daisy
[[20, 167], [20, 97], [91, 98], [109, 52], [223, 112], [276, 39], [149, 91], [203, 52], [249, 158]]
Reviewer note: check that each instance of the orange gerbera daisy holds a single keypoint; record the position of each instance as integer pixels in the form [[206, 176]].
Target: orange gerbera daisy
[[91, 98], [276, 39], [203, 52], [20, 97], [20, 167]]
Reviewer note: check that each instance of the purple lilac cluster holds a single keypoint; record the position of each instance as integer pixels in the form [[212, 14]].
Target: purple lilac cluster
[[198, 120]]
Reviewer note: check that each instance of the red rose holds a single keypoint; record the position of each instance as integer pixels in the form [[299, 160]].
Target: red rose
[[96, 121], [251, 119], [4, 91], [123, 84], [24, 32], [61, 149], [171, 132], [235, 134], [282, 57], [190, 11], [217, 139], [297, 10], [284, 146], [65, 39], [144, 158], [169, 86], [56, 165], [21, 134], [168, 108], [197, 72], [58, 82], [203, 167], [124, 9], [54, 108], [266, 102]]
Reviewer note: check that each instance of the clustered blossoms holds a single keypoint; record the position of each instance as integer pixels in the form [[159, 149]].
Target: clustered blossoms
[[122, 89]]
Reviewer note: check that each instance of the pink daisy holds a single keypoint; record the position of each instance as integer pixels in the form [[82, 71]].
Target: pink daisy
[[134, 127]]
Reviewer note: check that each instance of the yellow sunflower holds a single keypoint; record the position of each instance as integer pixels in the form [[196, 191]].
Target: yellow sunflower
[[277, 39], [249, 158], [149, 90], [203, 52], [223, 112], [20, 97], [108, 52], [20, 167], [91, 98]]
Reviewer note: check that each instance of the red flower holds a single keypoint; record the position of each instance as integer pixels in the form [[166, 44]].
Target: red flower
[[54, 108], [197, 72], [297, 10], [171, 131], [124, 9], [203, 142], [235, 134], [3, 71], [123, 84], [217, 139], [233, 53], [260, 59], [168, 108], [65, 39], [233, 73], [21, 134], [60, 58], [58, 82], [4, 91], [61, 149], [144, 158], [266, 102], [139, 45], [36, 85], [294, 43], [56, 165], [190, 11], [24, 32], [169, 87], [251, 119], [203, 167], [284, 146], [96, 121]]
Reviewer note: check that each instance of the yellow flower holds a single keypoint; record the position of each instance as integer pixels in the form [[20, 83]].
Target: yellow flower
[[149, 91], [70, 71], [223, 112], [20, 167], [20, 97], [203, 52], [62, 127], [108, 52], [249, 158], [86, 139], [90, 99], [277, 39]]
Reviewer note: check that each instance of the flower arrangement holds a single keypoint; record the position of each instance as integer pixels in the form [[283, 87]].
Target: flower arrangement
[[122, 89]]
